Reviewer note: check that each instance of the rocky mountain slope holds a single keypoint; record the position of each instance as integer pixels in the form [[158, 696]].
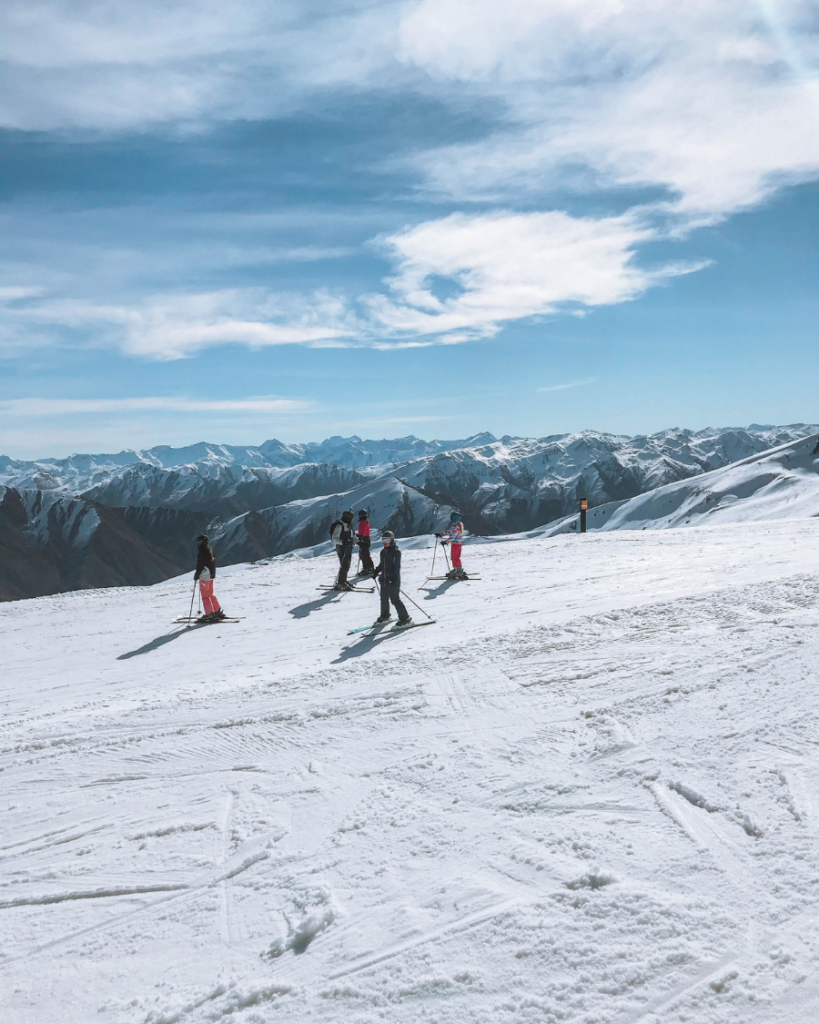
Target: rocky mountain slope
[[106, 520], [782, 483], [50, 544]]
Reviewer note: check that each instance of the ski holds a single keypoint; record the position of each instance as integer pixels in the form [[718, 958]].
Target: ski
[[372, 625], [378, 627], [349, 590], [195, 621], [453, 579]]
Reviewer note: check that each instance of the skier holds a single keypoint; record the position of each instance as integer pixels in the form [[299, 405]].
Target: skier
[[388, 571], [206, 573], [454, 537], [363, 537], [341, 533]]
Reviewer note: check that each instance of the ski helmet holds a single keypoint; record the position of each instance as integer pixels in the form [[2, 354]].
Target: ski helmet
[[201, 539], [347, 516], [363, 513], [454, 516], [388, 536]]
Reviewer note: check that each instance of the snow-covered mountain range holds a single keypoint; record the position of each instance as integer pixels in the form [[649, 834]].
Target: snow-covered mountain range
[[96, 520]]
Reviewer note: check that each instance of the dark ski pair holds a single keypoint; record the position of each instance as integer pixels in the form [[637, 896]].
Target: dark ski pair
[[454, 579], [344, 588], [204, 620]]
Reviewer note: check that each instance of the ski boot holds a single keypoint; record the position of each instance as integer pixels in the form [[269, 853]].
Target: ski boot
[[403, 624]]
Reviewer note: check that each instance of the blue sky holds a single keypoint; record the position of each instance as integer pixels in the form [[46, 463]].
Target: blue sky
[[235, 222]]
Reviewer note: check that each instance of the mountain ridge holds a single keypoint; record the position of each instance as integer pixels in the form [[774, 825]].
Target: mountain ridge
[[66, 520]]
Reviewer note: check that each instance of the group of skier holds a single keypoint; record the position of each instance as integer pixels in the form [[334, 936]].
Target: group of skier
[[387, 573]]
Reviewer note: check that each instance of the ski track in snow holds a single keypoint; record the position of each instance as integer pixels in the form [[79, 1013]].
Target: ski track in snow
[[586, 794]]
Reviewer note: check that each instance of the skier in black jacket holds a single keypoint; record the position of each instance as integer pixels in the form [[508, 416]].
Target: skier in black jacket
[[206, 574], [341, 534], [388, 572]]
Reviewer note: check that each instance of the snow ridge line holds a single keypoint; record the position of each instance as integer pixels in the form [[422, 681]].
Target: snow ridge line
[[131, 890], [93, 894], [461, 924], [176, 893]]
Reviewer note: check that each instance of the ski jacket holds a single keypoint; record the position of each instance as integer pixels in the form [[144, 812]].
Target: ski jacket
[[341, 533], [205, 565], [389, 565], [363, 529], [455, 532]]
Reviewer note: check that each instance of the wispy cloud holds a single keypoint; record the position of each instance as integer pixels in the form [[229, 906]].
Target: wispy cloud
[[567, 387], [507, 266], [694, 100], [37, 407]]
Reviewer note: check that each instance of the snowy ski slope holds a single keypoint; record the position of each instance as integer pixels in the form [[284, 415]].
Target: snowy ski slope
[[587, 794]]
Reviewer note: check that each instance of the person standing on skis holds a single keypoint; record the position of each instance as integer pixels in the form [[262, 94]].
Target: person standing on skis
[[363, 537], [388, 573], [341, 534], [454, 537], [206, 574]]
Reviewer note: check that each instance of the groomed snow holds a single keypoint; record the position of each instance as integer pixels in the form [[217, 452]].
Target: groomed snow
[[587, 794]]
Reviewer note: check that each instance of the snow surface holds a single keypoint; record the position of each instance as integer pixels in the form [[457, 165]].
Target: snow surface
[[586, 794]]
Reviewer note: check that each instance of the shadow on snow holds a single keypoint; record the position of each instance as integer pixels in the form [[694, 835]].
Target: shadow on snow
[[160, 641]]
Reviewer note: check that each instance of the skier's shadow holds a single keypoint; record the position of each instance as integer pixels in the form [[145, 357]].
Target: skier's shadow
[[444, 587], [160, 641], [364, 645], [301, 611]]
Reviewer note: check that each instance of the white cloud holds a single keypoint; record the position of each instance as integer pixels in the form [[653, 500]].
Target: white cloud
[[124, 65], [510, 266], [504, 266], [167, 327], [36, 407], [569, 386], [700, 99]]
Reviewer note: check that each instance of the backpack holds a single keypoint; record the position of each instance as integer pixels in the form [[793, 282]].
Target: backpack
[[335, 524]]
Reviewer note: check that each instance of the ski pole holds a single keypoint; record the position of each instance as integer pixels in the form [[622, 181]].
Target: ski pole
[[418, 606], [193, 595], [434, 553], [446, 556]]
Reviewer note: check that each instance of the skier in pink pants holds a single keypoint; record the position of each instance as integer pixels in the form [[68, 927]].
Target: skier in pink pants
[[206, 573], [454, 536]]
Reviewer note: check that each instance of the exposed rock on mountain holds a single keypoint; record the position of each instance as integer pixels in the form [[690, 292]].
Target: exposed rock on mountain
[[50, 544], [392, 505], [221, 490], [781, 483]]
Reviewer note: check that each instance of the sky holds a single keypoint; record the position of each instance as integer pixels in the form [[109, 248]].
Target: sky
[[233, 222]]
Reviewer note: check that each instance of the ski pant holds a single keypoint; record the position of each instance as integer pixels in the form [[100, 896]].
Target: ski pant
[[391, 592], [345, 556], [456, 556], [364, 552], [209, 602]]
